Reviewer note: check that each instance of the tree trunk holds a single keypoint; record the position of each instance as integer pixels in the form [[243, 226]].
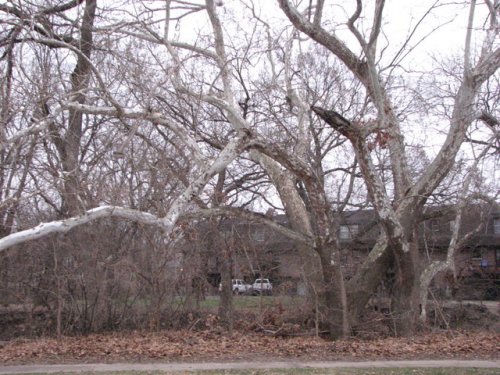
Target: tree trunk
[[310, 273], [70, 149], [59, 299], [405, 299], [333, 306], [363, 285], [226, 297], [299, 221], [425, 281]]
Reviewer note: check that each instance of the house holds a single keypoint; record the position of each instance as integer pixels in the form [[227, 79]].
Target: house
[[258, 251]]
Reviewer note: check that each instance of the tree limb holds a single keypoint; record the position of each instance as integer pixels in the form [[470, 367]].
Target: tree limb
[[63, 226], [251, 217]]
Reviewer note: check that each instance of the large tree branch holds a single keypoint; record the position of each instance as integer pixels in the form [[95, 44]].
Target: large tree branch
[[88, 64], [154, 117], [38, 21], [462, 116], [63, 226], [335, 45], [231, 105], [282, 156], [455, 244], [374, 184], [352, 27], [376, 27], [366, 72], [489, 119], [229, 153], [62, 7], [318, 13], [251, 217], [177, 208], [38, 127], [486, 67]]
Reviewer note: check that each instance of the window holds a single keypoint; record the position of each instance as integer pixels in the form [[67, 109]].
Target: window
[[348, 232], [344, 232], [477, 253], [434, 226], [69, 261], [259, 234], [496, 226]]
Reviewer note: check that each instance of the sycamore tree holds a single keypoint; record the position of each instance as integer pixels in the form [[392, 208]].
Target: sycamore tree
[[84, 141], [399, 213], [189, 109], [398, 194], [63, 103]]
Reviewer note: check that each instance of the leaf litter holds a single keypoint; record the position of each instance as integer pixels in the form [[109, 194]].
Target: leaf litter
[[210, 345]]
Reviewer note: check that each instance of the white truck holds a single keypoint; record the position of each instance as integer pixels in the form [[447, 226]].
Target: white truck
[[238, 286], [262, 286]]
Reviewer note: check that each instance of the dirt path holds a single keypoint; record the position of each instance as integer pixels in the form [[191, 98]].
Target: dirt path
[[47, 369]]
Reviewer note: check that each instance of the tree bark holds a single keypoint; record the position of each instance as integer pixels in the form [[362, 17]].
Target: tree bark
[[398, 217], [363, 285], [299, 221], [70, 152], [405, 298], [226, 308], [333, 297]]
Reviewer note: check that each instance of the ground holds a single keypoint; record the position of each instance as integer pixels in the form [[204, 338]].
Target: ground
[[211, 345], [446, 367], [476, 337]]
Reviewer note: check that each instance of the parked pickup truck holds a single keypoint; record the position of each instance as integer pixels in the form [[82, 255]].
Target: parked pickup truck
[[262, 286], [238, 286]]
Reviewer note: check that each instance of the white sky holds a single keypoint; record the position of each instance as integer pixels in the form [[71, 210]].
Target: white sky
[[400, 16]]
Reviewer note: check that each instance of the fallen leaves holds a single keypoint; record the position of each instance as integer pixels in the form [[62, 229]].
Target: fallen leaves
[[431, 346], [210, 345]]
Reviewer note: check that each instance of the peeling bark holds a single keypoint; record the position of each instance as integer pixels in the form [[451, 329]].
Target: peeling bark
[[63, 226]]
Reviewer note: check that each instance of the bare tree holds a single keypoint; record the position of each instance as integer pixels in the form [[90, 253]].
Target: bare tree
[[398, 216], [138, 120]]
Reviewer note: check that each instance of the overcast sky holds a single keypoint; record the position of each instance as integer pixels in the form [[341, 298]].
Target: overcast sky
[[400, 17]]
